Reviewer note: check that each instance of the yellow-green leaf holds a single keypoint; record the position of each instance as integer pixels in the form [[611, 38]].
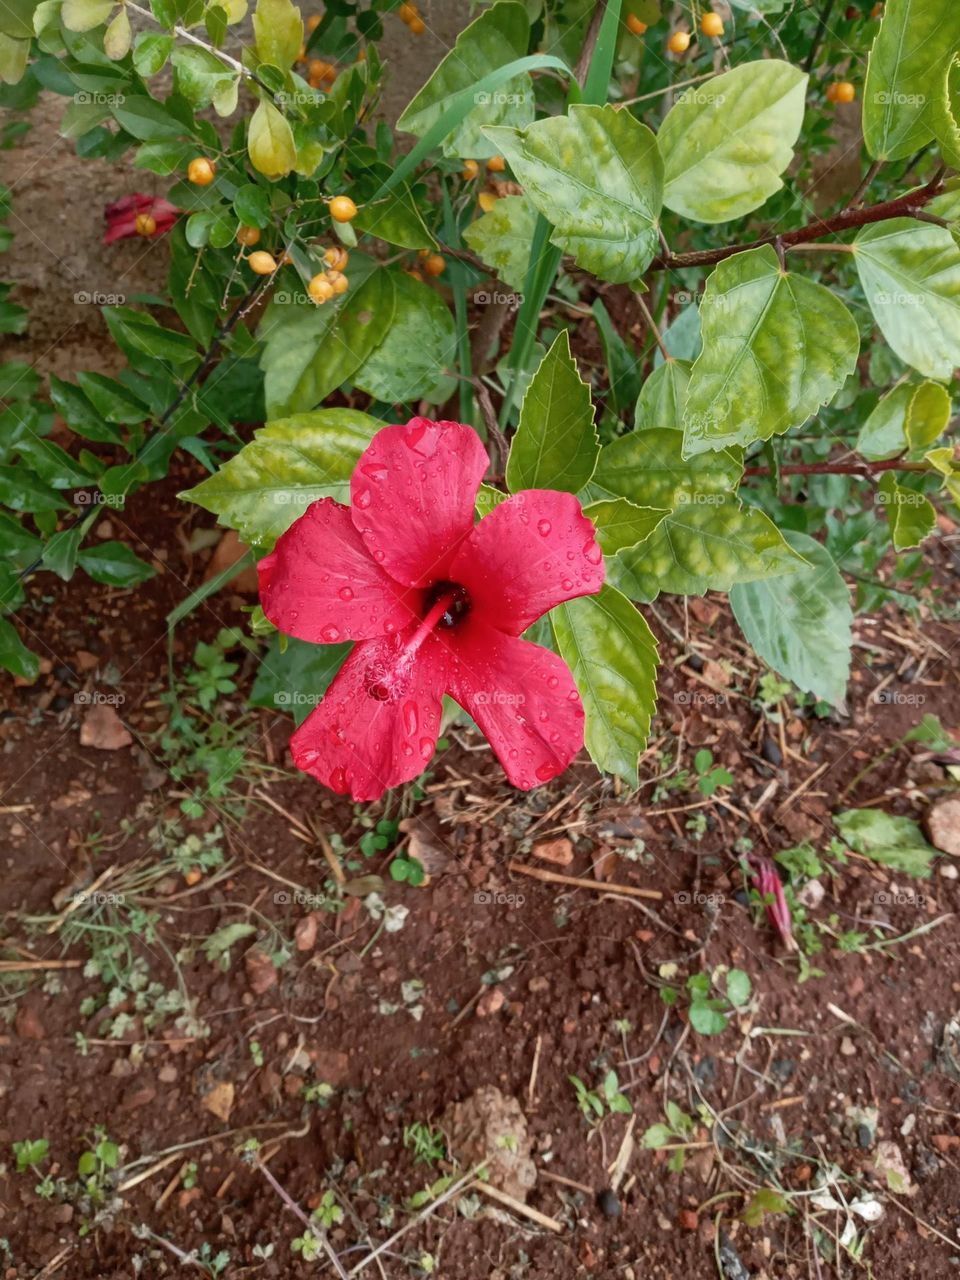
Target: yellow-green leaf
[[270, 142], [278, 29]]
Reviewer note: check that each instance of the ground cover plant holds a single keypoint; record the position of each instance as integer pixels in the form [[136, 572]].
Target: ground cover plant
[[548, 449]]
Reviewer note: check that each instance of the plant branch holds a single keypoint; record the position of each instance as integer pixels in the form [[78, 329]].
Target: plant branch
[[818, 35], [589, 44], [905, 206], [839, 468]]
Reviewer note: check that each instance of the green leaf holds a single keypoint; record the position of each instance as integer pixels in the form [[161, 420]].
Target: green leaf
[[663, 395], [726, 141], [597, 176], [150, 52], [395, 219], [708, 540], [556, 445], [288, 464], [707, 1019], [776, 346], [138, 331], [14, 53], [800, 624], [893, 841], [60, 553], [910, 56], [499, 35], [84, 15], [14, 654], [621, 523], [21, 491], [945, 114], [296, 677], [118, 35], [738, 987], [110, 400], [310, 351], [278, 33], [419, 345], [251, 204], [911, 416], [146, 119], [912, 516], [764, 1201], [910, 273], [502, 239], [270, 143], [199, 75], [658, 1135], [613, 656], [115, 564]]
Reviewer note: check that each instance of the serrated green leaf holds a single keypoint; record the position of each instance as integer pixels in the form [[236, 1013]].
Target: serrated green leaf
[[726, 141], [893, 841], [776, 347], [916, 40], [499, 35], [612, 653], [910, 273], [288, 464], [911, 416], [911, 515], [596, 175], [556, 444], [418, 347], [663, 396], [801, 624], [502, 238], [945, 113], [620, 523]]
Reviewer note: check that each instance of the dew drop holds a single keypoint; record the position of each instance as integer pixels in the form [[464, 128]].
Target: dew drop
[[543, 528], [379, 556], [546, 772], [346, 593], [592, 551], [407, 749], [573, 696], [363, 499], [389, 627], [567, 584], [514, 753], [426, 748], [338, 779], [553, 682], [411, 718], [330, 633], [375, 470]]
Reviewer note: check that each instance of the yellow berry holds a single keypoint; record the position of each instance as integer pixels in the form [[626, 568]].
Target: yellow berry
[[486, 200], [320, 289], [843, 91], [434, 265], [407, 12], [338, 281], [679, 42], [146, 224], [711, 24], [414, 274], [302, 54], [635, 25], [313, 22], [201, 171], [261, 263], [417, 26], [336, 257], [321, 70], [496, 164], [342, 209], [247, 236], [470, 169]]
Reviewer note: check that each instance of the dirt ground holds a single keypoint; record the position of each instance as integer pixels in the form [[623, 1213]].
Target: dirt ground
[[496, 978]]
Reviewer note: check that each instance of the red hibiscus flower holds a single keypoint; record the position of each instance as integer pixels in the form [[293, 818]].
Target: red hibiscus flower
[[121, 216], [437, 605]]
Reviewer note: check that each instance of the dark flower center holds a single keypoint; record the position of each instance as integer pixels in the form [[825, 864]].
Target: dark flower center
[[458, 605]]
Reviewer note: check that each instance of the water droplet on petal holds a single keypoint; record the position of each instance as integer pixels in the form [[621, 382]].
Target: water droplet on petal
[[407, 749], [346, 593], [330, 633], [426, 748], [546, 772], [592, 551], [553, 682], [362, 499], [338, 779], [379, 556], [567, 584], [543, 528], [375, 470], [411, 718]]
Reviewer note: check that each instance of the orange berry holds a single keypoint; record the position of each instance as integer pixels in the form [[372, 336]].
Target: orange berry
[[302, 55], [339, 281], [342, 209], [424, 253], [408, 12], [417, 26], [201, 171], [470, 169], [711, 24], [247, 236], [320, 289], [313, 22], [486, 200], [434, 265], [414, 274], [335, 257], [261, 263], [193, 876], [635, 25], [146, 224], [496, 164], [321, 70], [679, 42], [843, 91]]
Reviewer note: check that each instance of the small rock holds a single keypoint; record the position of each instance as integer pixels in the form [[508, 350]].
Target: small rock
[[943, 825], [261, 971], [305, 933], [85, 660], [948, 871], [133, 1099], [121, 1068], [477, 1129], [538, 984], [771, 753], [945, 1142], [63, 1214], [559, 852], [186, 1198], [491, 1002], [168, 1074], [608, 1203], [892, 1170], [28, 1025], [847, 1047], [102, 728], [332, 1066], [219, 1101], [688, 1220]]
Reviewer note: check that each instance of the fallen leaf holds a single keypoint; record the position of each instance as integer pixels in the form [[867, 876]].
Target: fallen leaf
[[219, 1101], [102, 728]]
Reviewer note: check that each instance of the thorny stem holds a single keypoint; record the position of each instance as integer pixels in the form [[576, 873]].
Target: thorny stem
[[905, 206]]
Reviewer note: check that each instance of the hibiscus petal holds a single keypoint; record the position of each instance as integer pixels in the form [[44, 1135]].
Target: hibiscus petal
[[320, 584], [532, 552], [413, 494], [377, 724], [523, 698]]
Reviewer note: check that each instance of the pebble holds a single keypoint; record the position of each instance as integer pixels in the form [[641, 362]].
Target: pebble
[[608, 1203], [771, 753]]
